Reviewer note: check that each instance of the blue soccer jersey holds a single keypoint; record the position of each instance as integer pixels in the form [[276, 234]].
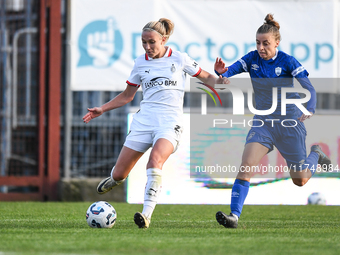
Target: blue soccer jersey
[[264, 74]]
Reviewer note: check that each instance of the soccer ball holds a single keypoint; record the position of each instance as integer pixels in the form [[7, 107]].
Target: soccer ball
[[101, 215], [316, 198]]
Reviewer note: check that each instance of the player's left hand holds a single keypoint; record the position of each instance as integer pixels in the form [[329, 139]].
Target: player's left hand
[[220, 66], [304, 117]]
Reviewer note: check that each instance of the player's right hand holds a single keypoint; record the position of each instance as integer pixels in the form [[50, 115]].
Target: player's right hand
[[305, 117], [220, 66], [92, 113]]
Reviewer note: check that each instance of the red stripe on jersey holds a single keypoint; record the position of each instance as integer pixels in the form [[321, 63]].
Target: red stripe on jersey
[[146, 57], [133, 84], [198, 73], [170, 52]]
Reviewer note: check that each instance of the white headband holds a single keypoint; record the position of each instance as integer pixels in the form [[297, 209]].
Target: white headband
[[150, 29]]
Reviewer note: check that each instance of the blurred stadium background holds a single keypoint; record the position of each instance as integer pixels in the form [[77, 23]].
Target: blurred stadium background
[[49, 77]]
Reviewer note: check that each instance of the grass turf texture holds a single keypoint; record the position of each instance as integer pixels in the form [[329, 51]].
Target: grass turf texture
[[61, 228]]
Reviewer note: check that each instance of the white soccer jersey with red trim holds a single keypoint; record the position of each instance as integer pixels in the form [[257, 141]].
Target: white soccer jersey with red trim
[[162, 81]]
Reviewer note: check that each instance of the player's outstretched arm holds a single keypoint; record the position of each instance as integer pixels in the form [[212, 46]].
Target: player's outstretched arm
[[211, 79], [311, 104], [122, 99]]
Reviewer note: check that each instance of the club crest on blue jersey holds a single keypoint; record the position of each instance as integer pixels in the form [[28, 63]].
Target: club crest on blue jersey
[[278, 71]]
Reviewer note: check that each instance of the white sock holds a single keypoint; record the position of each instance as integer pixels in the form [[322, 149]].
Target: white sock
[[152, 191], [235, 216], [113, 168], [115, 182]]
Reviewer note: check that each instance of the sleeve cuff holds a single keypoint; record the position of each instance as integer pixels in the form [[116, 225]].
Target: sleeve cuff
[[133, 84], [311, 110], [198, 73]]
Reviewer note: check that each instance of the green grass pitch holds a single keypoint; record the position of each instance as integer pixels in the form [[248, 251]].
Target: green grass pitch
[[61, 228]]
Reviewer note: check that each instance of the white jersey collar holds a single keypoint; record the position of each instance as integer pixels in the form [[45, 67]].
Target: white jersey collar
[[275, 54], [167, 54]]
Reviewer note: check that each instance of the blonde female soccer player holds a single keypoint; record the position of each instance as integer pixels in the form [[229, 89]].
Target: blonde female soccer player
[[161, 73], [270, 68]]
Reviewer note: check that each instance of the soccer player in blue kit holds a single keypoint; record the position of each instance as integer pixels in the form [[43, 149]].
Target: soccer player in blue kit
[[266, 66]]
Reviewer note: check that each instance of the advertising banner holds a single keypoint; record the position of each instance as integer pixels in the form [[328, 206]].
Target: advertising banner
[[105, 35]]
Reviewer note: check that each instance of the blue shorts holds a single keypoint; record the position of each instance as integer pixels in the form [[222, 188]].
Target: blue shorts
[[288, 137]]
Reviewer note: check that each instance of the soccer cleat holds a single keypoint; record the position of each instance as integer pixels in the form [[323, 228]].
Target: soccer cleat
[[323, 159], [105, 185], [228, 221], [141, 221]]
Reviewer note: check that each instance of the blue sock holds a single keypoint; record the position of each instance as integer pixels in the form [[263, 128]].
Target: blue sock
[[312, 162], [239, 193]]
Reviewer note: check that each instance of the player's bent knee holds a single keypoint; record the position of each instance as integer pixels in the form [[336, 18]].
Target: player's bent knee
[[249, 166], [300, 181], [246, 171], [248, 163], [155, 163]]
